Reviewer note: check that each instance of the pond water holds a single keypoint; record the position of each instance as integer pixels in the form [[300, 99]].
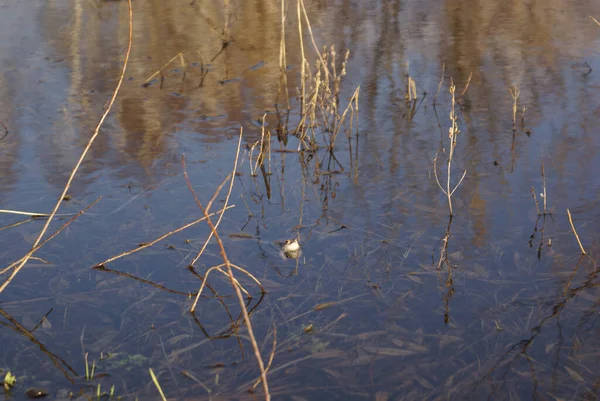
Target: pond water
[[390, 299]]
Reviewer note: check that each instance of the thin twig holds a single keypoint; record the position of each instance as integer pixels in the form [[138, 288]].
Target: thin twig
[[437, 179], [159, 71], [149, 244], [32, 214], [271, 357], [226, 202]]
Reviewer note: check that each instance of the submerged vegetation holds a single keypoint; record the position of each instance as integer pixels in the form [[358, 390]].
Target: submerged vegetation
[[364, 302]]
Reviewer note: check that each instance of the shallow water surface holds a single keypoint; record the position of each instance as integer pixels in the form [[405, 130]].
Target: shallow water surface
[[390, 299]]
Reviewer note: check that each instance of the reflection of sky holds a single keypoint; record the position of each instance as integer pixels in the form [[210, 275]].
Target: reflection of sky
[[33, 92]]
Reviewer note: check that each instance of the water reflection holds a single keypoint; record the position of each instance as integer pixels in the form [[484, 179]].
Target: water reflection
[[501, 307]]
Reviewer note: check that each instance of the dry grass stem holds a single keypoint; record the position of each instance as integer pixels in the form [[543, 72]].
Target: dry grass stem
[[453, 133], [583, 252], [303, 62], [271, 356], [18, 212], [595, 20], [18, 223], [265, 146], [157, 384], [543, 194], [467, 85], [283, 55], [537, 204], [226, 200], [322, 111], [160, 70], [411, 87], [312, 37], [232, 279], [514, 92], [219, 268], [83, 154], [149, 244]]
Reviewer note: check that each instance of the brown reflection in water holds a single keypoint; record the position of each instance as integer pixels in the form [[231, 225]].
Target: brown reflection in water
[[500, 45]]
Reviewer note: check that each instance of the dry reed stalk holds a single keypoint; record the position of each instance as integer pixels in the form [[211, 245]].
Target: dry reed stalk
[[261, 156], [452, 135], [160, 70], [226, 200], [321, 63], [340, 121], [514, 92], [322, 109], [537, 204], [467, 85], [269, 150], [225, 31], [312, 37], [303, 61], [41, 244], [204, 282], [83, 154], [251, 156], [583, 252], [411, 87], [545, 195], [18, 223], [271, 356], [219, 269], [149, 244], [31, 214], [283, 55], [232, 279]]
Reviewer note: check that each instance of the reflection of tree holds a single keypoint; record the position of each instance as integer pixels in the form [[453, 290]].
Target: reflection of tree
[[443, 261]]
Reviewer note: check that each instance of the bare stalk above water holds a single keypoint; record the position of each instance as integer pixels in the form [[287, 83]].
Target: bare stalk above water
[[514, 92], [224, 206], [81, 157], [303, 62], [160, 70], [543, 194], [452, 135], [283, 55], [411, 87]]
